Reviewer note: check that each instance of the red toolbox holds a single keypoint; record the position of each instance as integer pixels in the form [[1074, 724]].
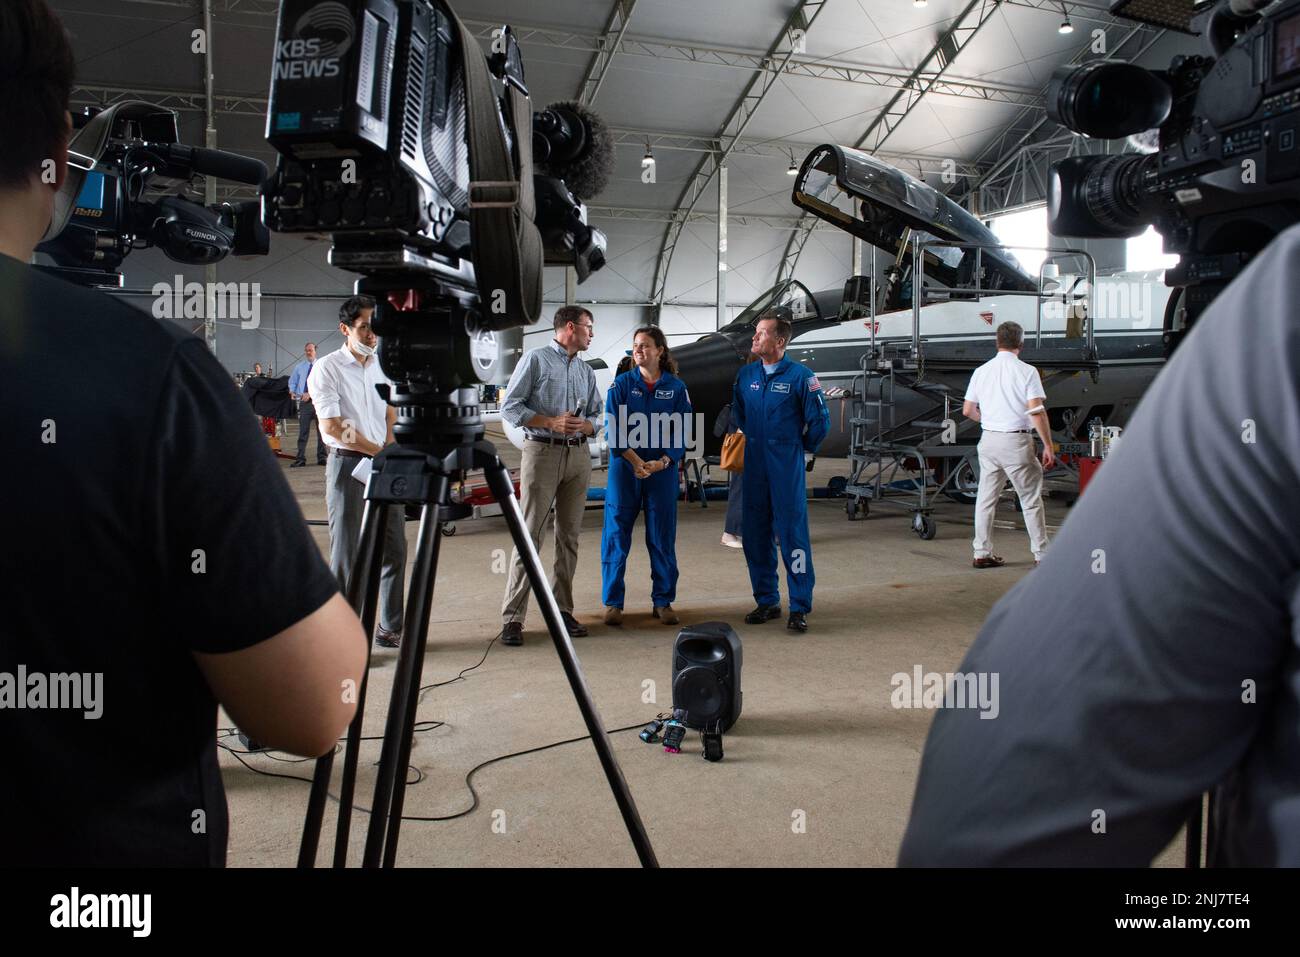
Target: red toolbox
[[1088, 466]]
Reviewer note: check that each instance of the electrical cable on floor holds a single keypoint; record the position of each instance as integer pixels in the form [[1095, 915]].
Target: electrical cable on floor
[[420, 726], [469, 783], [461, 676]]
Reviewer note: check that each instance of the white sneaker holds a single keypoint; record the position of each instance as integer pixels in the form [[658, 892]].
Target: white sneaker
[[731, 541]]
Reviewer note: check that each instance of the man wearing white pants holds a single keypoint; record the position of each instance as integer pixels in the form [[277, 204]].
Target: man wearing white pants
[[1006, 397]]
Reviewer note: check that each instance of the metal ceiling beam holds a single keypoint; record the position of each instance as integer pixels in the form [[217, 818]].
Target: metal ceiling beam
[[700, 216], [1075, 9], [233, 104], [90, 94], [1076, 12], [950, 43], [264, 8], [880, 76], [609, 44], [928, 74], [662, 139], [605, 46], [729, 134]]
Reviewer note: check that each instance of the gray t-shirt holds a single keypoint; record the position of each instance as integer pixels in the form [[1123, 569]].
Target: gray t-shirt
[[1156, 653]]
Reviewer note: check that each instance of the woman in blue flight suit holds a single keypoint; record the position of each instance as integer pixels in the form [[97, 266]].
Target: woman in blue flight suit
[[648, 421]]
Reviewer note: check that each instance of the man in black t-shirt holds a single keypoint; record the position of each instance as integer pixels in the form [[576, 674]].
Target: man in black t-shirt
[[131, 605]]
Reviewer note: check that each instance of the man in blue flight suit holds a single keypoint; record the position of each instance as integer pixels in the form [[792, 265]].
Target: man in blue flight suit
[[648, 422], [780, 408]]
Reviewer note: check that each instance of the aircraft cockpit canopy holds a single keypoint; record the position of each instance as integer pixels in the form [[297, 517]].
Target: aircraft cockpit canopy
[[888, 208]]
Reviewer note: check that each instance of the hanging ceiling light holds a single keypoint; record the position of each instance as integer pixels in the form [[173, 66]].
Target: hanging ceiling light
[[918, 3], [649, 159], [794, 168], [1066, 26]]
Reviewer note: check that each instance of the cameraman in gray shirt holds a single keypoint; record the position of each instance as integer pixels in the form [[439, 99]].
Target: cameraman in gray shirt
[[553, 397]]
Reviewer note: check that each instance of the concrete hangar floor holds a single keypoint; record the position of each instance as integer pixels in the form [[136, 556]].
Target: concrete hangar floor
[[818, 733]]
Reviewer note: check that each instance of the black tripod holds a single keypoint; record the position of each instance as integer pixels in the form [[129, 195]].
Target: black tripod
[[439, 438]]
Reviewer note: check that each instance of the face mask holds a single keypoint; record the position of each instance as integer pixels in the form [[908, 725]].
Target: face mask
[[360, 347]]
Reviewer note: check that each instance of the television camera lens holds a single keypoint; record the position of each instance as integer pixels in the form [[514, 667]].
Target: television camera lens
[[1108, 99], [1099, 196]]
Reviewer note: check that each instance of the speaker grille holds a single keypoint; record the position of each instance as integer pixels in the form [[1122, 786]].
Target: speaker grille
[[700, 692]]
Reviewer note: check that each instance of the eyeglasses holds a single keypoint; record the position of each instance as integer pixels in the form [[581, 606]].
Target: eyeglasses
[[583, 325]]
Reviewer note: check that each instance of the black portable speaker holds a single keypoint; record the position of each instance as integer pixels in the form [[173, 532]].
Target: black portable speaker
[[706, 675]]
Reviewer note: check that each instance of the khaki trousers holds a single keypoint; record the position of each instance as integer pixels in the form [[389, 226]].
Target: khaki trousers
[[556, 474], [1009, 455]]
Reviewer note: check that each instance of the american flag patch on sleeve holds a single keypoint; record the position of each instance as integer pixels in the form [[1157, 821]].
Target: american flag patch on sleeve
[[814, 385]]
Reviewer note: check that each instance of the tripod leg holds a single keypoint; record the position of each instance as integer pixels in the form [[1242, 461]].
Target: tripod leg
[[360, 595], [374, 547], [498, 478], [421, 599], [397, 731]]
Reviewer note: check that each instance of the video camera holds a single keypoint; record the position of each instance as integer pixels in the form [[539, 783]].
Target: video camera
[[415, 152], [1224, 179], [115, 157]]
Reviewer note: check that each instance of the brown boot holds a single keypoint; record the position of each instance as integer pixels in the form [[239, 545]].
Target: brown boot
[[613, 616], [666, 615]]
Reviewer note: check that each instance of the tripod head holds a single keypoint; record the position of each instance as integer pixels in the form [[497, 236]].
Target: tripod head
[[437, 353], [431, 351]]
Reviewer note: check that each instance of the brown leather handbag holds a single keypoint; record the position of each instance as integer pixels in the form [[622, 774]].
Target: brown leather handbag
[[733, 452]]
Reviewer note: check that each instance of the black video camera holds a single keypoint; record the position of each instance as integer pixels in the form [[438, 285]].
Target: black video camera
[[119, 155], [415, 152], [1223, 180]]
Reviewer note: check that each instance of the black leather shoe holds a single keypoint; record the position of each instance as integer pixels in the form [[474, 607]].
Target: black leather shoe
[[763, 613], [512, 634], [388, 639], [575, 628], [297, 465], [798, 621]]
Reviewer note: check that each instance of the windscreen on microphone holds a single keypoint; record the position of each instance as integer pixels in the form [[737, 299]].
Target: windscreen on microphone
[[588, 161]]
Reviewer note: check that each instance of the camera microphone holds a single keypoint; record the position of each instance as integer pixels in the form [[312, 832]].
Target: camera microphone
[[219, 163], [572, 143]]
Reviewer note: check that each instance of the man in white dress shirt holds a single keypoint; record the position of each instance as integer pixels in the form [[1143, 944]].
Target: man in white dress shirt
[[356, 423], [1006, 397]]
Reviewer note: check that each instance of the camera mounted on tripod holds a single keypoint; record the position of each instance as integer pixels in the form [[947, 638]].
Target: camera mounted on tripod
[[116, 157], [416, 154], [1220, 177]]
